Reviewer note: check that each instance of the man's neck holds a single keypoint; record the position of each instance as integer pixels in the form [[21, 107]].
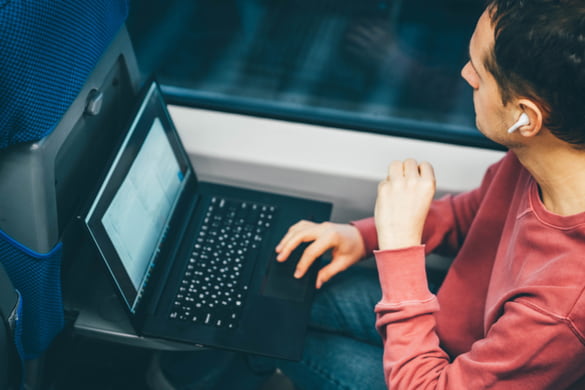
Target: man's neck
[[559, 171]]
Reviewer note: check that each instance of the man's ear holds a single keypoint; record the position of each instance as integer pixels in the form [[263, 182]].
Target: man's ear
[[535, 117]]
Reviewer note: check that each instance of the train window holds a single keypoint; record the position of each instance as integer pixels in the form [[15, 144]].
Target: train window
[[387, 66]]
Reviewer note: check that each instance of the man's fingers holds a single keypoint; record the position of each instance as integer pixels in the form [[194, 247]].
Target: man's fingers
[[410, 168], [329, 271], [310, 254], [426, 170], [288, 235], [300, 232], [290, 245], [395, 169]]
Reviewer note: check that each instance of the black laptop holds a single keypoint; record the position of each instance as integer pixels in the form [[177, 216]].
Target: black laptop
[[195, 261]]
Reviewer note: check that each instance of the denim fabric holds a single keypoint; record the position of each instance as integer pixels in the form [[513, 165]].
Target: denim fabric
[[342, 348]]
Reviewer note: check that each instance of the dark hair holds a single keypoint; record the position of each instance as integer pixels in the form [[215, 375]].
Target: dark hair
[[539, 53]]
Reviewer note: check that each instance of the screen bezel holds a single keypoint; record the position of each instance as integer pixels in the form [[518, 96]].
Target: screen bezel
[[150, 106]]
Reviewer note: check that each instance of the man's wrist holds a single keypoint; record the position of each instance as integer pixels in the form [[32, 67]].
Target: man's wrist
[[391, 241]]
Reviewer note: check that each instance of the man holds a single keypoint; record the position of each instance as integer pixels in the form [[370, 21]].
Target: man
[[511, 311]]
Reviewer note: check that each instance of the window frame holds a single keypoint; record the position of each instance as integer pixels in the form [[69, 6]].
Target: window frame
[[407, 128]]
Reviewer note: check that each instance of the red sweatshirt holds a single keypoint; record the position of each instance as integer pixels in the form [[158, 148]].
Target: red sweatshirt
[[511, 311]]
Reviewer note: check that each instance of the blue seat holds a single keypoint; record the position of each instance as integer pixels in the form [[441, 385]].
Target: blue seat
[[9, 308], [48, 56]]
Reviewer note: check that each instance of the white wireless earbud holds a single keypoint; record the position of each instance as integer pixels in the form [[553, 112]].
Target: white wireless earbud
[[523, 120]]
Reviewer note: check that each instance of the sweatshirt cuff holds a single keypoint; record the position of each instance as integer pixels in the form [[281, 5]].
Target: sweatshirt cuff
[[402, 275], [367, 229]]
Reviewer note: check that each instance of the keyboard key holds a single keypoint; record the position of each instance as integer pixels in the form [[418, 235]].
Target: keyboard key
[[215, 281]]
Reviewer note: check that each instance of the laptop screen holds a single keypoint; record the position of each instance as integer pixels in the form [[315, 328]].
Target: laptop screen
[[132, 210]]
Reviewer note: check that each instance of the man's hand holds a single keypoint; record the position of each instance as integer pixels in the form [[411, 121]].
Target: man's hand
[[403, 202], [344, 240]]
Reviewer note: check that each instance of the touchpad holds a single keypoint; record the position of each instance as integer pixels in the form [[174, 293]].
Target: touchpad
[[280, 282]]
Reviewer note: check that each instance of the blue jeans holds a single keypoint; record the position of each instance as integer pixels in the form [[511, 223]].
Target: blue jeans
[[342, 348]]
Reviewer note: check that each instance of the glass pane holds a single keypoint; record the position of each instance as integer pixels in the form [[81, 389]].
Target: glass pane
[[380, 65]]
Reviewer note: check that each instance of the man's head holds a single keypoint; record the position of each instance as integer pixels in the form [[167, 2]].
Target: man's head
[[539, 54]]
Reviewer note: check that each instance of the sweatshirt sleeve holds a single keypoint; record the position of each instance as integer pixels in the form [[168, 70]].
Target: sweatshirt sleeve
[[442, 232], [526, 348], [447, 222]]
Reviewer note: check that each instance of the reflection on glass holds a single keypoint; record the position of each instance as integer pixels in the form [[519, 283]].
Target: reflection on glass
[[385, 65]]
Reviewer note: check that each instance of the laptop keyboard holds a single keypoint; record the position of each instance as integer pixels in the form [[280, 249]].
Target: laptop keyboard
[[216, 278]]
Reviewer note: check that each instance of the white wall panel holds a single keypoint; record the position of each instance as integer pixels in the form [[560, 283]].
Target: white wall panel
[[325, 163]]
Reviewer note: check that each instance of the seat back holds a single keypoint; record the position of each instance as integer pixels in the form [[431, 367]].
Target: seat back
[[9, 360], [44, 183]]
